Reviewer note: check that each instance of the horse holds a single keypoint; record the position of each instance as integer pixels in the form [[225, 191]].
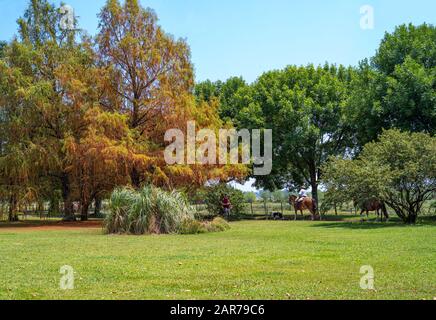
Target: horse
[[305, 204], [374, 205]]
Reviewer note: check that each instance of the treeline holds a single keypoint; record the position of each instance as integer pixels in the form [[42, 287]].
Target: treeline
[[319, 113], [81, 115]]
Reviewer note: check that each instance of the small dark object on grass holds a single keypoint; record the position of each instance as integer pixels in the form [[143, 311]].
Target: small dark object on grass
[[277, 215]]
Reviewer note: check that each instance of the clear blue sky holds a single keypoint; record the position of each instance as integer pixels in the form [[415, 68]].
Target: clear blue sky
[[248, 37]]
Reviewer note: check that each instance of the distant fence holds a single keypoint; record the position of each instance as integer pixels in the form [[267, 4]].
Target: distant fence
[[260, 208]]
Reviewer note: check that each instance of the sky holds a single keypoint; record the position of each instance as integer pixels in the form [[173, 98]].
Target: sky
[[248, 37]]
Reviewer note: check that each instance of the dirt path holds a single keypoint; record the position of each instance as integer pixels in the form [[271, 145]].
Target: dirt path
[[49, 226]]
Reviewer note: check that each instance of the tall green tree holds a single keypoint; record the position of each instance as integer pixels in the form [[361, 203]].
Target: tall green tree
[[231, 95], [397, 87], [305, 108]]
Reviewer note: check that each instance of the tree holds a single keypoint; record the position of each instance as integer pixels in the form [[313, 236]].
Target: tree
[[397, 88], [41, 54], [101, 158], [151, 77], [18, 154], [304, 106], [3, 45], [151, 82], [215, 195], [232, 96], [250, 197], [399, 169], [64, 85]]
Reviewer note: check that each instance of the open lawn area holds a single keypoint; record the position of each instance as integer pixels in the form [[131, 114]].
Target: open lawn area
[[254, 260]]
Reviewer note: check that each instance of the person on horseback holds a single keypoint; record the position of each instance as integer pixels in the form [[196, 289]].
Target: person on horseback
[[301, 196]]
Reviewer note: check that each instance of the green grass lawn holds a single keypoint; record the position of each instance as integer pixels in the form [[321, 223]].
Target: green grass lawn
[[254, 260]]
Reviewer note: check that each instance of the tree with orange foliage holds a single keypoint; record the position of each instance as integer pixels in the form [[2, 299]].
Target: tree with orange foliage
[[151, 74], [152, 83]]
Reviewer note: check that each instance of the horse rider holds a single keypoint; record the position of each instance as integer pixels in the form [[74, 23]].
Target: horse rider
[[301, 196]]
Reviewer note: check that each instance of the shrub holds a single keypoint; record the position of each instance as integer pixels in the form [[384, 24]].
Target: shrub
[[399, 169], [196, 227], [149, 210], [215, 195], [219, 224], [192, 227]]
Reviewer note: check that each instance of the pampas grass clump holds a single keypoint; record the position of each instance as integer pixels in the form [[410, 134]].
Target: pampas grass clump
[[147, 211]]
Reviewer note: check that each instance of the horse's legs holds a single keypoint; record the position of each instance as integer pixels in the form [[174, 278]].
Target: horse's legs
[[296, 214]]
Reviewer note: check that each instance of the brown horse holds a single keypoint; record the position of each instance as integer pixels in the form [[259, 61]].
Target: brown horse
[[305, 204], [374, 205]]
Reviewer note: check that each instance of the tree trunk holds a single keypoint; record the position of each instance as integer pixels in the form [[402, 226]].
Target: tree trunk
[[13, 214], [84, 211], [412, 217], [66, 196], [135, 178], [97, 209], [314, 186]]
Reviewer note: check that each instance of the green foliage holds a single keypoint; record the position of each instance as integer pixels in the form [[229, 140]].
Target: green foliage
[[250, 197], [280, 196], [215, 195], [398, 88], [3, 45], [304, 106], [266, 195], [149, 210], [233, 96], [399, 169]]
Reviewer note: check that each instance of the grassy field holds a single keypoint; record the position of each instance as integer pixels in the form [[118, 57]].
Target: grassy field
[[254, 260]]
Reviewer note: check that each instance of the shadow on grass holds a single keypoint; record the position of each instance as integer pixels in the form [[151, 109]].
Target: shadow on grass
[[373, 224], [346, 221]]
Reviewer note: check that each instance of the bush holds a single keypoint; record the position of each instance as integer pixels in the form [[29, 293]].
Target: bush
[[196, 227], [192, 227], [399, 169], [149, 210], [219, 224], [215, 195]]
